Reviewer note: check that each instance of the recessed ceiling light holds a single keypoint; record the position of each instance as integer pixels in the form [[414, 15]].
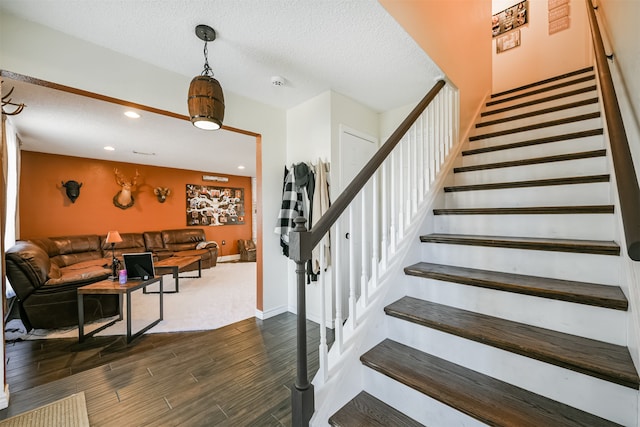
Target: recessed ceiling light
[[132, 114], [240, 167], [109, 148]]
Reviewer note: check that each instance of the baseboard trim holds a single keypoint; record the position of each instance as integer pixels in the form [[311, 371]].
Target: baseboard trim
[[227, 258], [262, 315]]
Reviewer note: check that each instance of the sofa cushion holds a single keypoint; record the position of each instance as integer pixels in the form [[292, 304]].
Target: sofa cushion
[[68, 250], [182, 239], [75, 274]]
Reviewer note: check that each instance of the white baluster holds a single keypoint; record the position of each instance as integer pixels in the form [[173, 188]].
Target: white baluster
[[393, 229], [364, 291], [400, 200], [323, 350], [385, 230], [339, 285], [375, 235], [352, 269]]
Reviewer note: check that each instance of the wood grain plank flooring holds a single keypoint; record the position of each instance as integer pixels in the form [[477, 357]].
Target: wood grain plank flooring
[[607, 296], [487, 399], [595, 358], [237, 375], [366, 410]]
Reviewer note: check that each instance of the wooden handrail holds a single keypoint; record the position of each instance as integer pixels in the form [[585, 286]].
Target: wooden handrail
[[628, 190], [346, 197]]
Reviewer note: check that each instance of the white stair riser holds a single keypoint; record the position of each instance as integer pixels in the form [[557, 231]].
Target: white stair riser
[[545, 132], [553, 195], [536, 96], [536, 107], [602, 269], [538, 150], [580, 167], [597, 323], [540, 118], [556, 226], [599, 397], [414, 404]]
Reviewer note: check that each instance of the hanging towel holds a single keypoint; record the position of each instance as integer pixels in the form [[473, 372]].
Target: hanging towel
[[321, 203]]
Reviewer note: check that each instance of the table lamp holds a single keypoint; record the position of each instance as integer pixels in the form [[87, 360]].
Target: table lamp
[[113, 237]]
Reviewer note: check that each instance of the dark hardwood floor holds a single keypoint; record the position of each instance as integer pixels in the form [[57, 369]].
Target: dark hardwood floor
[[238, 375]]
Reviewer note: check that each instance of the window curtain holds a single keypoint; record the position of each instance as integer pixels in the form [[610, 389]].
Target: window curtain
[[10, 185]]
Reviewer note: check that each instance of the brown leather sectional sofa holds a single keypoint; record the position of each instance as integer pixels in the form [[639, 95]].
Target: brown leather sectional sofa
[[45, 273]]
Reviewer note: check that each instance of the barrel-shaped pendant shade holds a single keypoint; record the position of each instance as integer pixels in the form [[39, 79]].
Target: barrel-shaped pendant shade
[[206, 103]]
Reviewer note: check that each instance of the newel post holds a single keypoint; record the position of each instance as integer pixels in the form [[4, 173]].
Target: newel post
[[302, 398]]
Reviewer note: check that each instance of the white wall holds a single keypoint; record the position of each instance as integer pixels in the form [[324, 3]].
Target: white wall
[[621, 19], [541, 55], [313, 131], [37, 51]]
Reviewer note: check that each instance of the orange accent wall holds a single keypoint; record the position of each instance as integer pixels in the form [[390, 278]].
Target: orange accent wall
[[46, 211]]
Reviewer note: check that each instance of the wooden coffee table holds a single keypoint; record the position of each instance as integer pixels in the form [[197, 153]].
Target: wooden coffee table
[[108, 287], [176, 265]]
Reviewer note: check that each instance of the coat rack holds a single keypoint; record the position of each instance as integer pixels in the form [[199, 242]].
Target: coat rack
[[7, 101]]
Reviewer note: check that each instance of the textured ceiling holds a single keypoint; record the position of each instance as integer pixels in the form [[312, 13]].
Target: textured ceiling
[[350, 46]]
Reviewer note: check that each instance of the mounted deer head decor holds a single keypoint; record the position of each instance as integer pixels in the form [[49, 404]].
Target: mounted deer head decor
[[123, 198], [73, 189], [161, 193]]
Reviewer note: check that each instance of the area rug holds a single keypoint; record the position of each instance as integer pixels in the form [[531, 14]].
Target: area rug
[[224, 294], [68, 412]]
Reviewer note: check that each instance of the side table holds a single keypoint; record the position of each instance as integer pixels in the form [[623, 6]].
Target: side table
[[110, 287]]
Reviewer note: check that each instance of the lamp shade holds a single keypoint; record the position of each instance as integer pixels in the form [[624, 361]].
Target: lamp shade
[[113, 237], [206, 103]]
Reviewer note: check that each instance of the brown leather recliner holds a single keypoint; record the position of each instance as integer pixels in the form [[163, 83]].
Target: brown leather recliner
[[247, 250], [46, 273]]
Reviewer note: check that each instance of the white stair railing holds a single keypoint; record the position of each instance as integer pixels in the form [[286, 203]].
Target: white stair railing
[[381, 203]]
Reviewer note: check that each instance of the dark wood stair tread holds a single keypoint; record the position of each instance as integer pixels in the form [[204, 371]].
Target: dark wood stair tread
[[606, 296], [487, 399], [533, 161], [531, 243], [535, 126], [543, 82], [589, 179], [538, 112], [539, 101], [366, 410], [598, 359], [535, 210], [537, 141], [542, 90]]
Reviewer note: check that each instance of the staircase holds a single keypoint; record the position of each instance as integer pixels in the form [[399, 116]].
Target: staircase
[[515, 316]]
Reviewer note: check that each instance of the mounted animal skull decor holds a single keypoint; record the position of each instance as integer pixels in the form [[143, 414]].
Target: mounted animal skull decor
[[124, 198], [73, 189], [162, 193]]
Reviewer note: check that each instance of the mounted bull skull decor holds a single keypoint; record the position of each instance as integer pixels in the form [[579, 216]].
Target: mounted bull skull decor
[[124, 199], [161, 193], [73, 189]]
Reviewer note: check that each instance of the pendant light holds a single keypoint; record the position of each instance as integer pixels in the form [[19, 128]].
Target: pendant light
[[206, 101]]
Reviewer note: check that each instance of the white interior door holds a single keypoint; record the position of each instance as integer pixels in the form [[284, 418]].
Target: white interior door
[[356, 148]]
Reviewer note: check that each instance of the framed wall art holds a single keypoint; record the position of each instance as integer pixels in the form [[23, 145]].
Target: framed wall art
[[508, 41], [214, 206], [510, 18]]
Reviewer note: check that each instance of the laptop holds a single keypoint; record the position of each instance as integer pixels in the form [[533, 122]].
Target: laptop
[[139, 266]]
